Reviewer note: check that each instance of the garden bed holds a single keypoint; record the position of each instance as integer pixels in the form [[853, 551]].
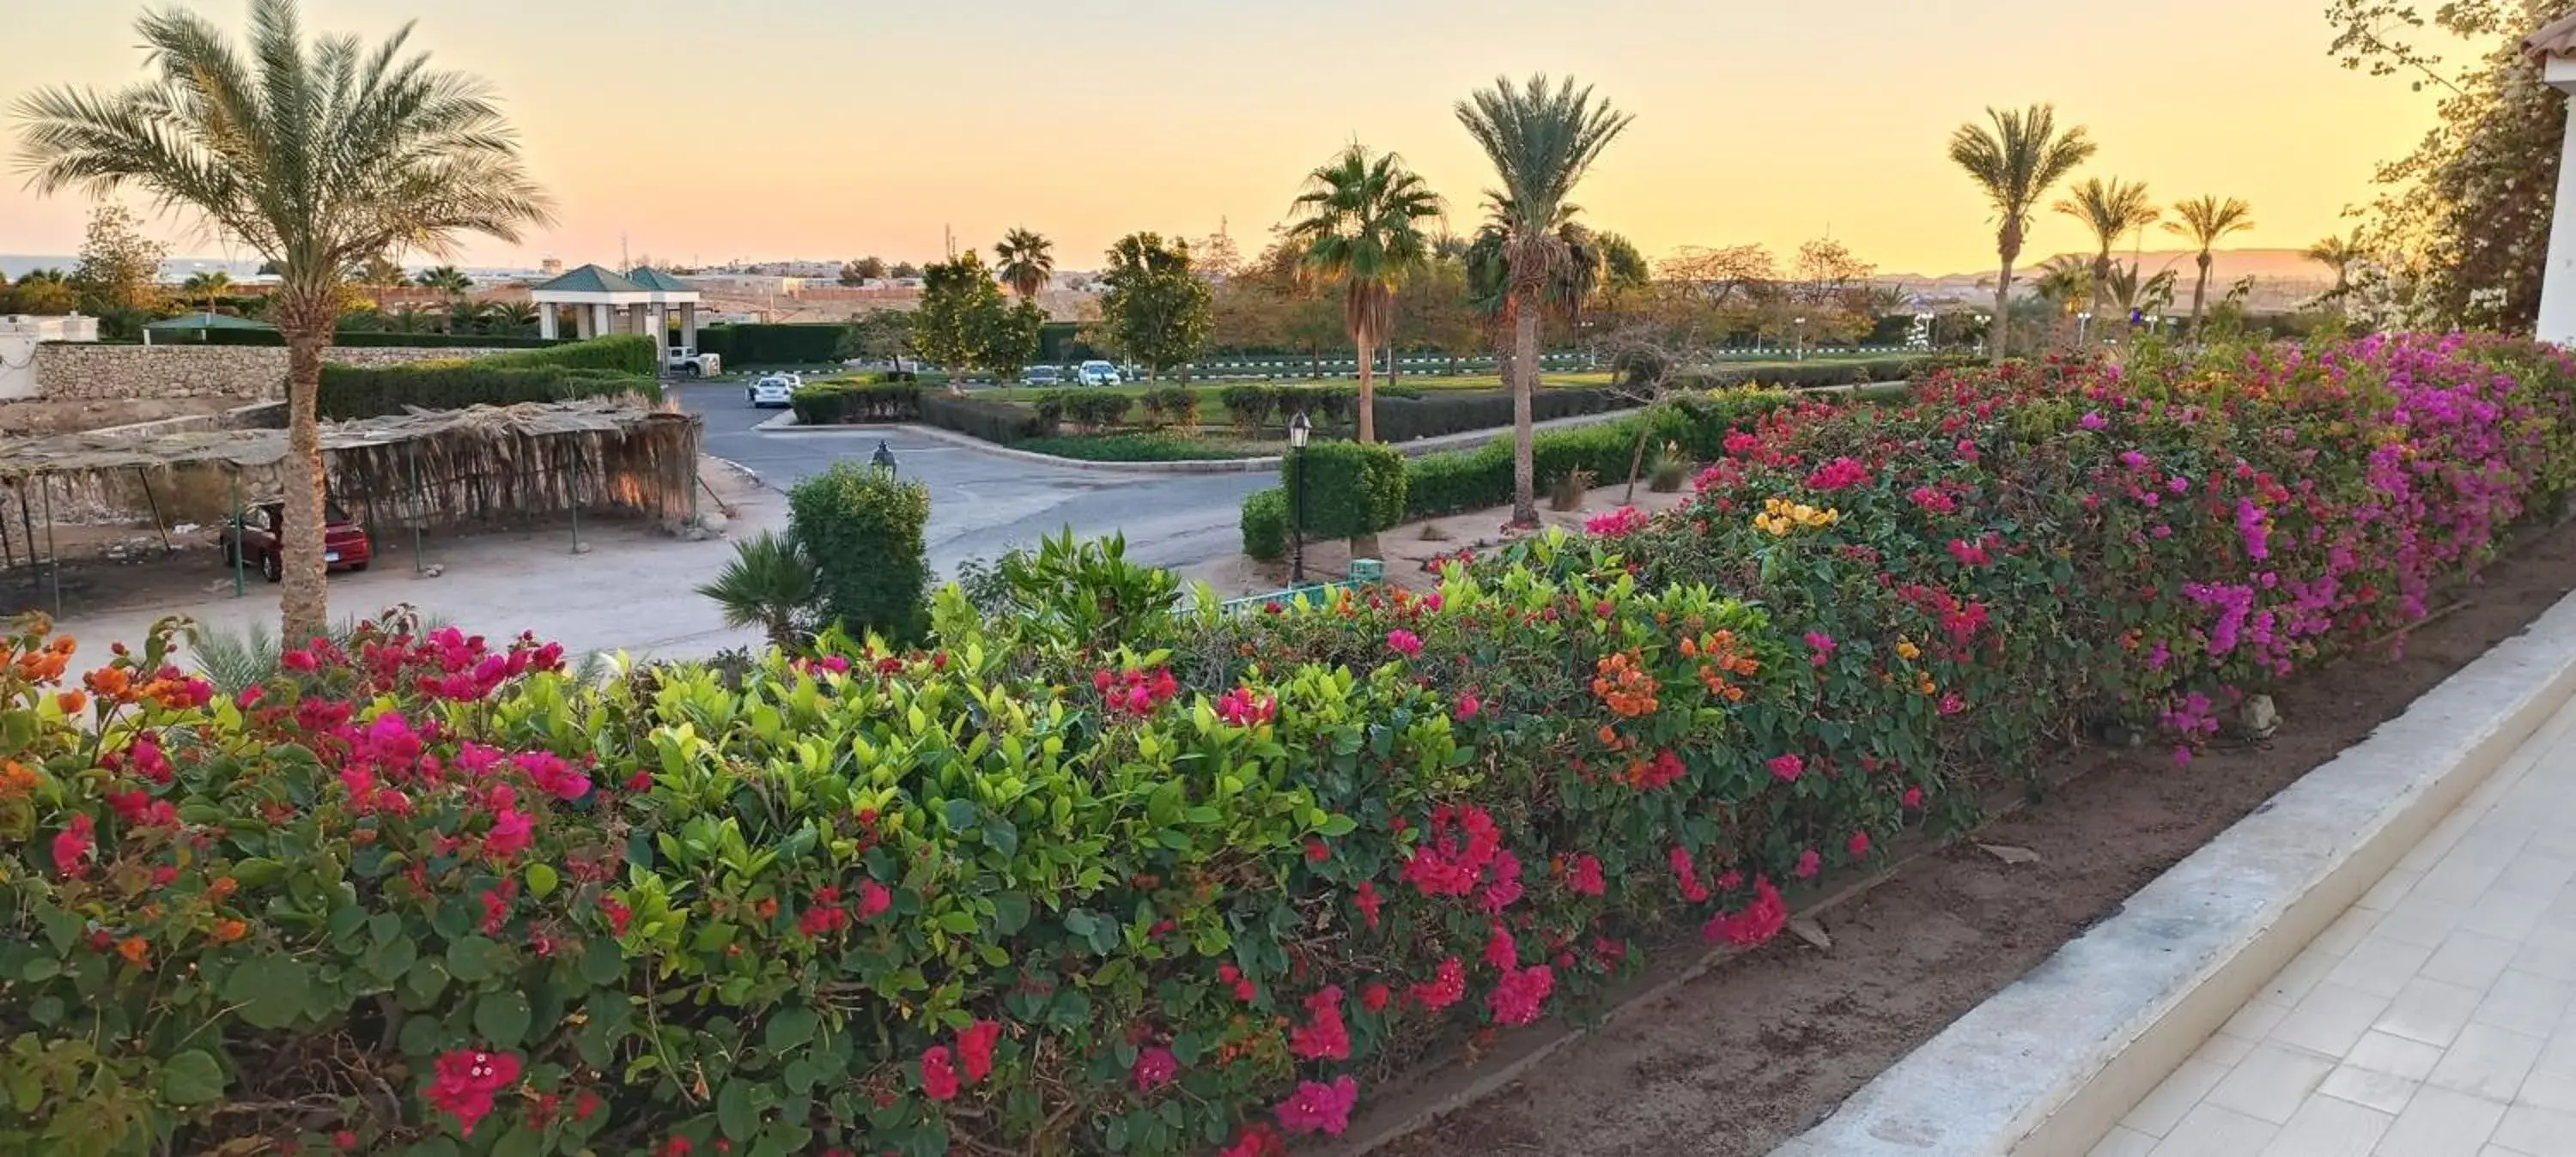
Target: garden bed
[[1766, 1044]]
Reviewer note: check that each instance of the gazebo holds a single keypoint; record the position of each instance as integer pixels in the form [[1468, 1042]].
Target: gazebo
[[2553, 48], [193, 326], [604, 301]]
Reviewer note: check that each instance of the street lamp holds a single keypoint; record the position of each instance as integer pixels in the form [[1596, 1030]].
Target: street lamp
[[882, 463], [1802, 339], [1298, 430]]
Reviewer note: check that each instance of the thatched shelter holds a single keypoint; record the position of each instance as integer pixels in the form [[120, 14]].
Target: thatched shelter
[[485, 465]]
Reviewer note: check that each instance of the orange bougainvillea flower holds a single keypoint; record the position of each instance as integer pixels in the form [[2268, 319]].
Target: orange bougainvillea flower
[[134, 950], [1627, 689], [15, 779], [109, 683], [228, 930], [71, 701]]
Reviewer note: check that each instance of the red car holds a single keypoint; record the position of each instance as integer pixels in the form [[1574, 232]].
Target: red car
[[254, 541]]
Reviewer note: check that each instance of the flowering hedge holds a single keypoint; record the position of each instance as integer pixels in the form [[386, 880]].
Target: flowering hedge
[[1182, 884]]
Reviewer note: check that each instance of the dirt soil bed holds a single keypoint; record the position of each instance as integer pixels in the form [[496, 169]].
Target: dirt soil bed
[[1764, 1045]]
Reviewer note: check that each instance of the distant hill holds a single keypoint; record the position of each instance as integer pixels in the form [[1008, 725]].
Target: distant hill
[[2283, 280]]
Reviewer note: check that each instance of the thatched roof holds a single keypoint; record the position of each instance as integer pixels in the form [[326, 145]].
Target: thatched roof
[[107, 450]]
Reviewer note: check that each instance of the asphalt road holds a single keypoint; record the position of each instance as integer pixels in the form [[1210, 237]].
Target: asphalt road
[[981, 504]]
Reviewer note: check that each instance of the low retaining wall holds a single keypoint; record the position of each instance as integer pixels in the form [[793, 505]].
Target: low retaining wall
[[83, 386]]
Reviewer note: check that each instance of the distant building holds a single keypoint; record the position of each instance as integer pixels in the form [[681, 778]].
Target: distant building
[[550, 267]]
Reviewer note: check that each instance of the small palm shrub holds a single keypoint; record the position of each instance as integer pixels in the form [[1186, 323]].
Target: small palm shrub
[[770, 584]]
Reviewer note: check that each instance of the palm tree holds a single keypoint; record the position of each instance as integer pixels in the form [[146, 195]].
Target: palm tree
[[2015, 161], [206, 286], [446, 279], [2203, 220], [772, 584], [1541, 141], [318, 155], [466, 315], [518, 317], [1025, 260], [2110, 209], [2339, 254], [1360, 227], [379, 273]]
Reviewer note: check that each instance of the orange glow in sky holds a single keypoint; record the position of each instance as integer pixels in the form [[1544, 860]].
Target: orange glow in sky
[[771, 129]]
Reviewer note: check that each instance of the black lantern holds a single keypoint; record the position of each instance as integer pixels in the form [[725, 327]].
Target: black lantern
[[1299, 429], [882, 462]]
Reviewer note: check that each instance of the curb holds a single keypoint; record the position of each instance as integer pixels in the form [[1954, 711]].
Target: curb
[[2046, 1067]]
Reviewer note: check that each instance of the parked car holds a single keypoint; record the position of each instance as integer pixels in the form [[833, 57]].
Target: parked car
[[1041, 376], [1097, 373], [687, 360], [774, 389], [255, 540]]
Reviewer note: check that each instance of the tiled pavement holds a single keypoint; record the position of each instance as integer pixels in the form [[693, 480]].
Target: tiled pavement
[[2435, 1018]]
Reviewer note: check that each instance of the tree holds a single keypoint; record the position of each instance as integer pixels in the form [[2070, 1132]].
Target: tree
[[1358, 221], [949, 327], [771, 584], [1721, 274], [446, 279], [1025, 260], [906, 271], [206, 286], [515, 317], [378, 273], [2339, 253], [119, 275], [2203, 221], [880, 334], [870, 268], [1006, 336], [2459, 235], [1541, 141], [43, 292], [315, 154], [2111, 209], [850, 274], [1152, 305], [466, 315], [2015, 160]]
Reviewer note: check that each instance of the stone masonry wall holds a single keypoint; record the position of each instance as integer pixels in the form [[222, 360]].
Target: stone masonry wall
[[80, 386]]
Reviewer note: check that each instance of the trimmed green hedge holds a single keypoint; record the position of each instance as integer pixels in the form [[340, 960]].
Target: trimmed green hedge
[[628, 353], [803, 343], [349, 392], [834, 403], [1265, 524], [1813, 374], [864, 534], [1350, 489], [1403, 419], [370, 339], [997, 422]]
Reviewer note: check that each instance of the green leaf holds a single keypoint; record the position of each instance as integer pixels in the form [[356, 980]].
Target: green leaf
[[1339, 825], [475, 958], [426, 979], [734, 1111], [960, 814], [1010, 912], [271, 991], [790, 1027], [502, 1017], [1002, 836], [601, 962], [193, 1077], [542, 880], [961, 923]]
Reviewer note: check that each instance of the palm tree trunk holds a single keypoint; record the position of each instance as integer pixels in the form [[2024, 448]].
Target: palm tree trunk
[[1999, 335], [305, 320], [1368, 391], [1524, 380], [2199, 294]]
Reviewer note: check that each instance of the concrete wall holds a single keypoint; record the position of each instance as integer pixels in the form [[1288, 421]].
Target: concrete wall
[[20, 335], [80, 386]]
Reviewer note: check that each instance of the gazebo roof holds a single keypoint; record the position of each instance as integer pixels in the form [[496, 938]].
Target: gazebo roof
[[658, 281], [204, 320], [2555, 39], [591, 279]]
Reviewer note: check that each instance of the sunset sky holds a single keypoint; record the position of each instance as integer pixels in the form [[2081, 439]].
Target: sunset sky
[[769, 129]]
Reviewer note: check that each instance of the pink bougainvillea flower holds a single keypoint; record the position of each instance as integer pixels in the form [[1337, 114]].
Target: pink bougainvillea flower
[[1787, 768], [975, 1048], [1822, 646], [1404, 642], [511, 834], [73, 844], [1501, 950], [1809, 863], [1913, 798], [1375, 996], [1858, 845], [1369, 901], [1258, 1140], [2093, 420], [1519, 995], [1319, 1108], [1323, 1036], [464, 1083], [1446, 986], [1686, 872], [1757, 923], [1584, 877], [1469, 706], [938, 1075], [1623, 521], [873, 900], [1155, 1067]]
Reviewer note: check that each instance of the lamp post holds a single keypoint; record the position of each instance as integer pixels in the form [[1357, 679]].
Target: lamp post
[[1802, 339], [882, 462], [1298, 430]]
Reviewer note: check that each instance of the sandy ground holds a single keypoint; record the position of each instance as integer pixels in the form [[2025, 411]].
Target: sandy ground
[[631, 590], [1411, 551], [1768, 1043]]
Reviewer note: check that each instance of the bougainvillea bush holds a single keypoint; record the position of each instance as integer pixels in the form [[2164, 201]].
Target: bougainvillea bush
[[1067, 882]]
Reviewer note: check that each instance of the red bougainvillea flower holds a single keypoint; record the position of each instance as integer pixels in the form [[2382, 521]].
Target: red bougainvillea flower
[[511, 834], [1155, 1067], [975, 1047], [1501, 950], [1787, 768], [873, 900], [1369, 901], [1686, 872], [1319, 1108], [1323, 1036], [1258, 1140], [1858, 846], [1809, 863], [1447, 986], [938, 1075], [1757, 923], [618, 914], [1518, 996], [72, 846], [1404, 642], [1469, 706], [1584, 877], [1912, 799], [464, 1083], [1375, 996]]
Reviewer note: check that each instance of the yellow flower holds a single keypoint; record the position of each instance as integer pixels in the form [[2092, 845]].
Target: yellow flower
[[1905, 649]]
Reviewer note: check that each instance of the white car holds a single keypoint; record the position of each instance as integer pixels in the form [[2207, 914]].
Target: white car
[[773, 389], [1096, 374]]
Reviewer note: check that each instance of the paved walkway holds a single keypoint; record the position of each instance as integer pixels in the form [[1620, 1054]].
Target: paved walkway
[[2432, 1019]]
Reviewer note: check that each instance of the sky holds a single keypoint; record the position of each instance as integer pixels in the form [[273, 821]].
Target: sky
[[700, 132]]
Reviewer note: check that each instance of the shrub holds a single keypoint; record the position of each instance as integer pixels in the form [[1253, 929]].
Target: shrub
[[1402, 419], [1350, 490], [1169, 406], [1668, 469], [1250, 406], [1141, 447], [1000, 423], [864, 535], [1567, 490], [840, 401], [620, 353], [1050, 407], [783, 344], [1265, 524], [1097, 409]]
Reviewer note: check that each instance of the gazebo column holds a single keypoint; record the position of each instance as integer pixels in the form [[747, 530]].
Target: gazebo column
[[546, 320], [583, 318], [2557, 321], [689, 324], [602, 317]]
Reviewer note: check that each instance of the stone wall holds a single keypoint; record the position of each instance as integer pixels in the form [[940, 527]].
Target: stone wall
[[81, 386]]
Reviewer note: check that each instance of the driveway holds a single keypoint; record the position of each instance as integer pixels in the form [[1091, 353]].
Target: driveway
[[981, 504]]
